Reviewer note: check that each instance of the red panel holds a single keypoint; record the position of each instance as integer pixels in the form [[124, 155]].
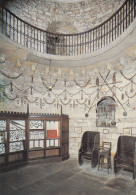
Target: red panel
[[51, 133]]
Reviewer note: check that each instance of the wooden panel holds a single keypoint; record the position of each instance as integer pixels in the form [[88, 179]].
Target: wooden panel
[[15, 157], [66, 150], [36, 154], [65, 138], [2, 159], [52, 152]]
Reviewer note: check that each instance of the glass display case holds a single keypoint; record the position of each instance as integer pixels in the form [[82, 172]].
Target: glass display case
[[36, 134], [52, 133], [3, 136], [16, 135], [25, 137]]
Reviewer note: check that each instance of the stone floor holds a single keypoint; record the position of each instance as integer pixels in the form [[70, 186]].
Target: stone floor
[[66, 178]]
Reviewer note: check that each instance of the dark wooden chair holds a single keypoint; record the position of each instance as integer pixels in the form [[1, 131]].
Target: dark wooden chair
[[89, 147], [104, 159], [125, 157]]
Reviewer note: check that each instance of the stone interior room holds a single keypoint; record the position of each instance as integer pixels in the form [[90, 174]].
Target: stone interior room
[[68, 97]]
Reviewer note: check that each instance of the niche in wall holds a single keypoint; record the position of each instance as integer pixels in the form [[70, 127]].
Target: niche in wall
[[57, 42], [106, 109], [53, 45]]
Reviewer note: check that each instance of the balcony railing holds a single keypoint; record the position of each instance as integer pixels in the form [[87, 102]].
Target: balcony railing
[[67, 44]]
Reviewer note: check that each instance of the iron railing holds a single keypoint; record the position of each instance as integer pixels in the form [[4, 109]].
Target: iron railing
[[67, 44]]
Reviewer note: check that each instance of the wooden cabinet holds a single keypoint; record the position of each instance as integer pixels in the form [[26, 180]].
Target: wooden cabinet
[[26, 138], [65, 138]]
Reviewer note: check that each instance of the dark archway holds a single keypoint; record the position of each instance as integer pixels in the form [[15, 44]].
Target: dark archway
[[106, 108]]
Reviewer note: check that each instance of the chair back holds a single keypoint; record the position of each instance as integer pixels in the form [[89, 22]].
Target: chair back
[[90, 139], [106, 145], [126, 146]]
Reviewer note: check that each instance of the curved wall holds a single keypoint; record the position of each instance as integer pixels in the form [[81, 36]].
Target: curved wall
[[81, 16], [26, 78], [74, 87]]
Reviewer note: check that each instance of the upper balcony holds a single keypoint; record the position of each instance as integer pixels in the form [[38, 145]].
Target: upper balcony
[[45, 42]]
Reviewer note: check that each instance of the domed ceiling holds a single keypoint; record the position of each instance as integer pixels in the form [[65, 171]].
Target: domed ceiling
[[67, 16]]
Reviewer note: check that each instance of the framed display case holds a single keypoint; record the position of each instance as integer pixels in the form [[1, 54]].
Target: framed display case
[[36, 134], [26, 138], [3, 136]]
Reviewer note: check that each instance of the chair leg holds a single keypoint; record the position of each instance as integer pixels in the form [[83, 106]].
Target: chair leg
[[98, 166], [80, 159], [134, 175], [108, 164], [134, 171], [101, 162], [98, 162]]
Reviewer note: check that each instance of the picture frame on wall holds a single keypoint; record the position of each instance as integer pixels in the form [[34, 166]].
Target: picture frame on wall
[[105, 131], [127, 131]]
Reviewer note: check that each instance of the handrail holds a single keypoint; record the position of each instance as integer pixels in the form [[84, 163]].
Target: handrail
[[67, 44]]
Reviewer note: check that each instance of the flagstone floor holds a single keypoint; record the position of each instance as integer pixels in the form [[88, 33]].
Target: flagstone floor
[[66, 178]]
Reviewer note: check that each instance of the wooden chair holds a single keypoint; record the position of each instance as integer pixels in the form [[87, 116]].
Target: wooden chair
[[89, 147], [125, 157], [104, 159]]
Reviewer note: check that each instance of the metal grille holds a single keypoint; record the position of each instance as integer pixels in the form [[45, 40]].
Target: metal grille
[[67, 44], [3, 136], [106, 112], [17, 135], [36, 134], [36, 124]]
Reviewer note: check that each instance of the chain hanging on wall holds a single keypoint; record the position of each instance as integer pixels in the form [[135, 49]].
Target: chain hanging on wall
[[131, 90], [49, 102], [83, 86], [127, 77], [10, 77], [114, 78], [131, 83], [122, 96], [130, 96], [64, 103], [113, 92], [9, 98], [81, 103], [50, 86], [96, 96], [30, 100], [32, 78], [97, 81], [64, 98]]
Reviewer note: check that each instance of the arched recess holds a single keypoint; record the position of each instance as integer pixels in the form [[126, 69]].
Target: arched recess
[[54, 42], [106, 109]]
